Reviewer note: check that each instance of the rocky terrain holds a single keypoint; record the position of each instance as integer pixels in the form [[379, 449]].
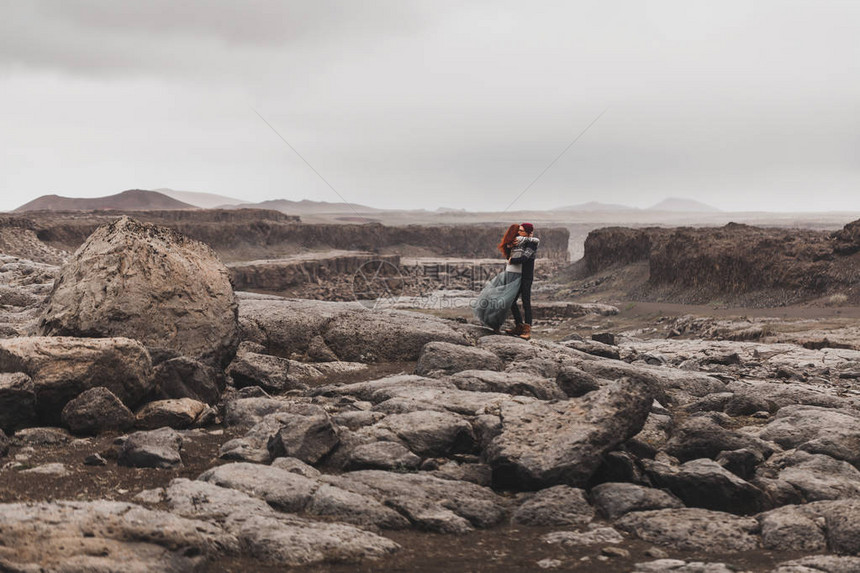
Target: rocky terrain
[[154, 419], [739, 264]]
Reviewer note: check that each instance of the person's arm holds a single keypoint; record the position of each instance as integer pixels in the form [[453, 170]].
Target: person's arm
[[530, 245]]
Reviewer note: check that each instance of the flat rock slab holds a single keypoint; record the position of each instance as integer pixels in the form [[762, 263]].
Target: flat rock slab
[[351, 331], [63, 367], [820, 564], [693, 529], [106, 536], [514, 383], [544, 444], [428, 502], [274, 538]]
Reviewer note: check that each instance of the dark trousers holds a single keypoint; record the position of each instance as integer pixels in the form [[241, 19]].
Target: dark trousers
[[526, 294]]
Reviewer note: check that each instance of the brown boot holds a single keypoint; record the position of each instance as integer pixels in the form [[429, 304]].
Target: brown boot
[[526, 332], [515, 331]]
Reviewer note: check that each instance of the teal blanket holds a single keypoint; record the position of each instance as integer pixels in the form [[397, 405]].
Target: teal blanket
[[494, 302]]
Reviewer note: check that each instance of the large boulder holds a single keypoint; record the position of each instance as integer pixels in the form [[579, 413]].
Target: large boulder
[[543, 444], [288, 327], [148, 283], [63, 367]]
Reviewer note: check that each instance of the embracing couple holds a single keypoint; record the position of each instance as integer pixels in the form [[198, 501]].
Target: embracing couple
[[518, 245]]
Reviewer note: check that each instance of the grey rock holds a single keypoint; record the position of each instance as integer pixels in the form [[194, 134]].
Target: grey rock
[[184, 377], [702, 437], [476, 473], [4, 444], [350, 507], [296, 466], [594, 536], [817, 430], [705, 483], [508, 348], [438, 358], [382, 456], [393, 336], [352, 332], [53, 469], [180, 413], [249, 411], [44, 436], [268, 372], [283, 490], [742, 462], [693, 529], [281, 542], [680, 385], [307, 436], [63, 367], [681, 566], [750, 396], [558, 505], [430, 503], [274, 538], [616, 499], [429, 433], [353, 420], [543, 444], [96, 410], [151, 284], [514, 383], [318, 350], [105, 536], [379, 390], [789, 528], [575, 382], [815, 477], [820, 564], [153, 449], [17, 400]]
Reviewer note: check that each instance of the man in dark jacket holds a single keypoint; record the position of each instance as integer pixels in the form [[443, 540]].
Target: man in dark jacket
[[529, 244]]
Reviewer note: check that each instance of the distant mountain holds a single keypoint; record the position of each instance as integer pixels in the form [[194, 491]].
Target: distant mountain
[[683, 205], [202, 200], [307, 207], [131, 200], [592, 206]]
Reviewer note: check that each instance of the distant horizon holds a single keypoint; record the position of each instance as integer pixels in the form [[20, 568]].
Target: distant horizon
[[590, 206]]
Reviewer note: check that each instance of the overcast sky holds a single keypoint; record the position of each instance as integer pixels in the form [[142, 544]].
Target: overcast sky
[[745, 105]]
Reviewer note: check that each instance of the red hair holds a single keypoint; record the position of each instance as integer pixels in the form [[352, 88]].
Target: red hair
[[508, 239]]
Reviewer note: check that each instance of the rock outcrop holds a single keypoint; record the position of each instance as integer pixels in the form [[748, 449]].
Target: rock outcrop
[[151, 284]]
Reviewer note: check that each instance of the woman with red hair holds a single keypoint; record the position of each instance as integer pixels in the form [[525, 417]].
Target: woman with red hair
[[491, 306]]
